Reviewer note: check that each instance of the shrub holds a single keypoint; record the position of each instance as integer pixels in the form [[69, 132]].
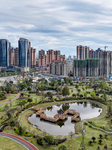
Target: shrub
[[74, 95], [49, 139], [90, 126], [29, 100], [12, 123], [62, 147]]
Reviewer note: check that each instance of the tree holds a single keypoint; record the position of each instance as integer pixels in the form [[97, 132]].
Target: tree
[[93, 138], [90, 142], [49, 94], [87, 87], [21, 103], [62, 147], [49, 139], [65, 106], [65, 91], [83, 88], [22, 94], [92, 94], [74, 95], [105, 97], [103, 85], [85, 94], [20, 130], [6, 108], [100, 136], [28, 88], [105, 135], [105, 147], [100, 141], [71, 134], [29, 100], [12, 123], [78, 90], [76, 86]]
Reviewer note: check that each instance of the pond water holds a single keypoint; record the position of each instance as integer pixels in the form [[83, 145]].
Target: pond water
[[86, 109]]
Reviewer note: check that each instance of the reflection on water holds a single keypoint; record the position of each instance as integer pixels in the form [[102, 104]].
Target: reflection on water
[[86, 109]]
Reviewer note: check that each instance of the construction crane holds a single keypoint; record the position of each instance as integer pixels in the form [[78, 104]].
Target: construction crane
[[104, 47]]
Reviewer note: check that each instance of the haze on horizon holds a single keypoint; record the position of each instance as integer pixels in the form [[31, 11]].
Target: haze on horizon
[[57, 24]]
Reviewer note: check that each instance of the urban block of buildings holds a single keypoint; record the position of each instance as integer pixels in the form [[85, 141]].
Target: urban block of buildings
[[89, 63], [24, 56], [46, 59]]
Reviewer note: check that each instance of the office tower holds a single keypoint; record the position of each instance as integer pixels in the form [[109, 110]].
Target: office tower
[[24, 52], [4, 52], [105, 63], [33, 58], [82, 52], [42, 58]]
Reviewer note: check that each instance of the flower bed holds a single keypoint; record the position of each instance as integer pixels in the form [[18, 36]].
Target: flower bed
[[3, 98]]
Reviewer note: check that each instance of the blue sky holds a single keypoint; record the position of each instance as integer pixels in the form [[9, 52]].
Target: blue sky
[[57, 24]]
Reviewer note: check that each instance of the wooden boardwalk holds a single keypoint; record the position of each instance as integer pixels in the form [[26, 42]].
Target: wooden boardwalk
[[58, 117]]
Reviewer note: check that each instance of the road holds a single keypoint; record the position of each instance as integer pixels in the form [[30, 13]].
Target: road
[[21, 141]]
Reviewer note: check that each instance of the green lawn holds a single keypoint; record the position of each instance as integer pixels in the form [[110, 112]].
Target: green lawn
[[7, 99], [8, 144]]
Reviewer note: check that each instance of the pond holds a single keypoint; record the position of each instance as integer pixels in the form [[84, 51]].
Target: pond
[[86, 109]]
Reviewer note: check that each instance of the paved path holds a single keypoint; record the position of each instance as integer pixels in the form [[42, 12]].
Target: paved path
[[12, 99], [21, 141]]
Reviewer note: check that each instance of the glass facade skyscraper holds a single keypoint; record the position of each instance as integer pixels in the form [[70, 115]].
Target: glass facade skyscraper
[[24, 52], [4, 52]]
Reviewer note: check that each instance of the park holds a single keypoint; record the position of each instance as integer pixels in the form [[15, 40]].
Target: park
[[53, 114]]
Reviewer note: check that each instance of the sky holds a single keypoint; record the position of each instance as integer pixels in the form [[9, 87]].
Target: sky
[[57, 24]]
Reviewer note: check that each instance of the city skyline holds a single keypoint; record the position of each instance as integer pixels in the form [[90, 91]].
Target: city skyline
[[58, 25]]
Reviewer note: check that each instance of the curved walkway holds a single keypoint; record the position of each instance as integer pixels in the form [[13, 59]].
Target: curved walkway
[[21, 141], [12, 99], [98, 127]]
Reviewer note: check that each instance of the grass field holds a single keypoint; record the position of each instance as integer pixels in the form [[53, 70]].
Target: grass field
[[8, 144]]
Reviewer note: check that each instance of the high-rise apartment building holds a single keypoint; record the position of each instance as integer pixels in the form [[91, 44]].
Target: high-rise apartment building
[[97, 51], [61, 68], [24, 52], [50, 56], [105, 63], [12, 57], [33, 58], [82, 52], [86, 68], [45, 60], [16, 57], [4, 52], [42, 58]]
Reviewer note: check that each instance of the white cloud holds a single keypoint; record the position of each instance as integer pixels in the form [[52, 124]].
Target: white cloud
[[57, 24]]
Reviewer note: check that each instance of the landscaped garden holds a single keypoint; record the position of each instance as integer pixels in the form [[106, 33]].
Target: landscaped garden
[[68, 91]]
